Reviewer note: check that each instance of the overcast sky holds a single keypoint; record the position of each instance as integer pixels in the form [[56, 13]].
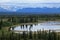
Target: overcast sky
[[30, 1]]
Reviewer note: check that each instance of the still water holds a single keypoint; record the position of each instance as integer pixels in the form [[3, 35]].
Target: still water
[[49, 25]]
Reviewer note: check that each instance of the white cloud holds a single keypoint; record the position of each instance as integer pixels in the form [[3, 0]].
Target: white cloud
[[30, 1], [15, 4]]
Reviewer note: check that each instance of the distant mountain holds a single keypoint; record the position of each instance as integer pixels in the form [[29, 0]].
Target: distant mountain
[[3, 10], [39, 10], [31, 11]]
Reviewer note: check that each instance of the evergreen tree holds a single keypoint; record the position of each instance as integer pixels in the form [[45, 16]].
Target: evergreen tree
[[1, 24], [49, 35], [24, 35], [30, 34]]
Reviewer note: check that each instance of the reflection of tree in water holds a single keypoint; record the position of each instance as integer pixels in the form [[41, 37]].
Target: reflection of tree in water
[[35, 24], [30, 26], [23, 26], [26, 26], [13, 28]]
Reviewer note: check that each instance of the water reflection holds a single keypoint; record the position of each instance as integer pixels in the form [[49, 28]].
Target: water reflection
[[26, 26], [38, 26], [30, 27]]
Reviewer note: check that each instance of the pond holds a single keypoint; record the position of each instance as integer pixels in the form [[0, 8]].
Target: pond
[[49, 25]]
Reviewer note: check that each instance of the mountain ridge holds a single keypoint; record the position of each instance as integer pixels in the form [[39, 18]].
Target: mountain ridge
[[33, 10]]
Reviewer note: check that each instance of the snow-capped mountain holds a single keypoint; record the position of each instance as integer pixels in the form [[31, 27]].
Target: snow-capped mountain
[[3, 10], [40, 10], [20, 6], [9, 8], [29, 8], [32, 10]]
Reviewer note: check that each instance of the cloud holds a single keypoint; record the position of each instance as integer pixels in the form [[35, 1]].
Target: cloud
[[34, 5], [30, 1], [16, 4]]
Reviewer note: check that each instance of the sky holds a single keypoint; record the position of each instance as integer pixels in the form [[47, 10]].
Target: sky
[[13, 4], [30, 1]]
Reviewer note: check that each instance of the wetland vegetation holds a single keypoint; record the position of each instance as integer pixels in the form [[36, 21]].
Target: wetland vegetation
[[26, 22]]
